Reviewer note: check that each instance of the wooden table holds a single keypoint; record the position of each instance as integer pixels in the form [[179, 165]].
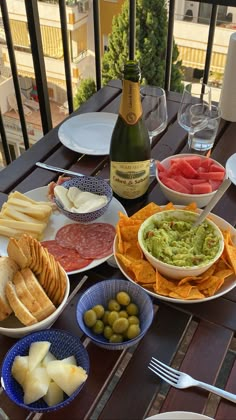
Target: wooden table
[[206, 329]]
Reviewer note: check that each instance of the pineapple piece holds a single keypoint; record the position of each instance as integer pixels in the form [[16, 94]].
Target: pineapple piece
[[20, 368], [37, 352], [36, 384], [68, 377], [54, 394]]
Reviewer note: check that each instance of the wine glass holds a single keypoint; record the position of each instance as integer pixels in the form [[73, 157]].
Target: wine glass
[[204, 126], [154, 109], [194, 94]]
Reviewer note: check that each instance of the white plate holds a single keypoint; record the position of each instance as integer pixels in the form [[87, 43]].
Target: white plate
[[229, 283], [230, 168], [179, 415], [57, 220], [88, 133]]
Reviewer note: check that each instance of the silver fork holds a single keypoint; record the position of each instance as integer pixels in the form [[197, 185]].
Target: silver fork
[[182, 380]]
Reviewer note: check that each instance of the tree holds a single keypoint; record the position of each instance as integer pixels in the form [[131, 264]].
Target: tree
[[151, 37], [86, 89]]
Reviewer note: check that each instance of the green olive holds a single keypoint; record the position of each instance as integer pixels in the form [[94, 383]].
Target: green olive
[[116, 338], [98, 327], [123, 298], [132, 309], [133, 319], [105, 317], [120, 325], [99, 309], [113, 305], [123, 314], [90, 318], [113, 315], [107, 332], [133, 331]]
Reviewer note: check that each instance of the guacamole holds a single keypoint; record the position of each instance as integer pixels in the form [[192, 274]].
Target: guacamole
[[175, 242]]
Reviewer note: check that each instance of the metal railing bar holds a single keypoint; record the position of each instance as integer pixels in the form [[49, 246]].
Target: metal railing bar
[[32, 13], [96, 17], [5, 146], [12, 58], [169, 46], [132, 28], [210, 43], [64, 33]]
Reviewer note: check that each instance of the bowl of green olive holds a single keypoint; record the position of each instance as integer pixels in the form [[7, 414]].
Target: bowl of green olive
[[115, 313]]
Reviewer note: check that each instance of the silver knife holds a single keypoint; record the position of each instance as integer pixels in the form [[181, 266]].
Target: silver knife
[[55, 169]]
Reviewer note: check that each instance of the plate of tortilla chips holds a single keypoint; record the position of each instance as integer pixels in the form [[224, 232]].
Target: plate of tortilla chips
[[219, 279]]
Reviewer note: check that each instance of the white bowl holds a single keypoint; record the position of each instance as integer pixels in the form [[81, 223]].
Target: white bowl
[[12, 327], [172, 271], [176, 197]]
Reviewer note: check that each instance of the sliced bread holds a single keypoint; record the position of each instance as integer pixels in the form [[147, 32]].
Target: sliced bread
[[8, 268], [20, 310]]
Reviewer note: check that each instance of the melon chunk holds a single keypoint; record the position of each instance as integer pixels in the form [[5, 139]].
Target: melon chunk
[[20, 368], [48, 358], [68, 377], [36, 384], [54, 394], [37, 352]]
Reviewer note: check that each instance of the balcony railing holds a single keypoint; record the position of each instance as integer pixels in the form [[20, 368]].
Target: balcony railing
[[33, 22]]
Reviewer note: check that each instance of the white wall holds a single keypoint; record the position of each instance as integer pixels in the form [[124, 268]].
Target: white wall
[[6, 88]]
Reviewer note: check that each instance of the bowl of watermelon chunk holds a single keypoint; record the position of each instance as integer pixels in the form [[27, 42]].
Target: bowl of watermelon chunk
[[189, 178]]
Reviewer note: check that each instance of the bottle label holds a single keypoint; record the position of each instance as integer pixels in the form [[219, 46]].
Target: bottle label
[[130, 106], [130, 179]]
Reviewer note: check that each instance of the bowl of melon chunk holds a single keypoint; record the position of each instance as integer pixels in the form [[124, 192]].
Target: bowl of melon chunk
[[45, 370], [187, 178]]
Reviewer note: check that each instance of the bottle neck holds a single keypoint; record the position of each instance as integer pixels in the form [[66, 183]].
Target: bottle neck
[[130, 106]]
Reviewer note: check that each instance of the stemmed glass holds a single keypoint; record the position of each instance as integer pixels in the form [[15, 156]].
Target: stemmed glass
[[154, 109], [196, 99]]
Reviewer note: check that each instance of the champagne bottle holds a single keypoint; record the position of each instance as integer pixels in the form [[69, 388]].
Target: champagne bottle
[[130, 145]]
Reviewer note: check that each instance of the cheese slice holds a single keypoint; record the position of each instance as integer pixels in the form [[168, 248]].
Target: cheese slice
[[61, 194], [77, 201]]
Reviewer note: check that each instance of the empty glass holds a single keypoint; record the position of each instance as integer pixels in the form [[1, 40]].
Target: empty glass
[[154, 109], [193, 94]]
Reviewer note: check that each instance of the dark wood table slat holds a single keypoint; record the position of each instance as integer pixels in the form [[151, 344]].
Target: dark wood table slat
[[203, 362], [226, 409]]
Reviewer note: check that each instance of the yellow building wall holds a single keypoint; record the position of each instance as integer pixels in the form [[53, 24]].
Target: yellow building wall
[[108, 9]]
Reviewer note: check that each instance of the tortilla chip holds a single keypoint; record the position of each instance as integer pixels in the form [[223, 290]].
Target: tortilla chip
[[231, 254], [146, 212], [143, 271]]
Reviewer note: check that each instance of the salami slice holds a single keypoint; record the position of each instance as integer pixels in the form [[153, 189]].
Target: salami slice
[[68, 235], [96, 240], [69, 258]]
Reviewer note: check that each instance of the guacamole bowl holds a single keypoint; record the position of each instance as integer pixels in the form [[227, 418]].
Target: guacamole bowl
[[177, 250]]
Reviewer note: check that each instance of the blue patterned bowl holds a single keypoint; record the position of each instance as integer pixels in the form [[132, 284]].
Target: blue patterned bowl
[[63, 345], [100, 293], [90, 184]]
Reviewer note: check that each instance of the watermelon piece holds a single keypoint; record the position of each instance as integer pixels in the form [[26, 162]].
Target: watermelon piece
[[215, 176], [174, 170], [194, 181], [214, 184], [187, 170], [184, 181], [201, 169], [174, 185], [216, 168], [160, 167], [203, 188], [206, 163]]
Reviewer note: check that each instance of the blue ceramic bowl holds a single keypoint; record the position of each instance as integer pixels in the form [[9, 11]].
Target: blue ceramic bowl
[[100, 293], [90, 184], [63, 345]]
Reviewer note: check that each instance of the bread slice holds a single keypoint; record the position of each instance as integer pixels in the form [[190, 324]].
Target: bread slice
[[8, 268], [38, 293], [16, 253], [25, 296], [20, 310]]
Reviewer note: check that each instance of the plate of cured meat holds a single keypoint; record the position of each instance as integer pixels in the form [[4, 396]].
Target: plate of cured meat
[[78, 247]]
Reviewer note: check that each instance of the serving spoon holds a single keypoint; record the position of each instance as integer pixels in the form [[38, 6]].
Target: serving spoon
[[230, 168]]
